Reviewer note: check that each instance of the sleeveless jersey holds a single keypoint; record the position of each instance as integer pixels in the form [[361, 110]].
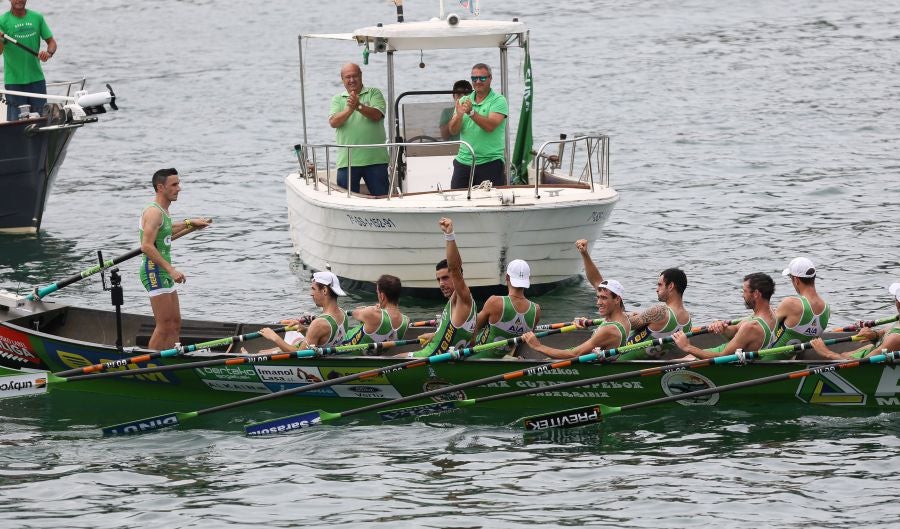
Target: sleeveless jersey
[[810, 326], [622, 332], [152, 276], [511, 324], [672, 325], [448, 335], [338, 331], [385, 331], [863, 352], [768, 339]]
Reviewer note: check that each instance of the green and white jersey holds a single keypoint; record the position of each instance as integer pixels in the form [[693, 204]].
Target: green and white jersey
[[448, 335], [385, 331], [671, 326], [511, 324], [338, 331], [810, 326]]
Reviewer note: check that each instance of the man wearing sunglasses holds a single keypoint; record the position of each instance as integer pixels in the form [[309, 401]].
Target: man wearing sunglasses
[[480, 120]]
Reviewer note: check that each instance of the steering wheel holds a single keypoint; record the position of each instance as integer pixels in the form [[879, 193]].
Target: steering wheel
[[421, 139]]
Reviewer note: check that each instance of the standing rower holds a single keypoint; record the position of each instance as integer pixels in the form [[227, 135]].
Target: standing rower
[[612, 332], [508, 316], [457, 326], [157, 273], [752, 334], [804, 317]]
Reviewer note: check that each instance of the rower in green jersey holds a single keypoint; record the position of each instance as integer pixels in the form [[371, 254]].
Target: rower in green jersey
[[157, 274], [327, 329], [804, 317], [457, 322], [504, 317], [611, 333], [383, 322], [751, 334], [883, 340], [659, 321]]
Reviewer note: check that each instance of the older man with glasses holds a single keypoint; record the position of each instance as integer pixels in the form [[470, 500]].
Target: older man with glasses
[[480, 120]]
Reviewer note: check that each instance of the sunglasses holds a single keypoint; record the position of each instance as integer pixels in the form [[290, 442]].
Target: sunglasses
[[480, 78]]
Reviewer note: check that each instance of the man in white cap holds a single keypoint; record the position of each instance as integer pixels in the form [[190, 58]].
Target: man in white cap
[[657, 321], [330, 328], [504, 317], [751, 334], [884, 339], [611, 333], [801, 318]]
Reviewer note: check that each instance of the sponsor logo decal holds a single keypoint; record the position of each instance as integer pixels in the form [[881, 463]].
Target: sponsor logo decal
[[29, 384], [238, 373], [888, 387], [77, 357], [368, 391], [16, 346], [297, 422], [573, 418], [829, 388], [242, 387], [680, 382]]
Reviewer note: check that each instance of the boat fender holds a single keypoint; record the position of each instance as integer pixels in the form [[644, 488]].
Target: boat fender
[[453, 19]]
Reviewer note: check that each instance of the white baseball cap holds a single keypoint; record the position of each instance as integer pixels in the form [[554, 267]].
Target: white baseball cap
[[329, 280], [613, 286], [519, 273], [895, 290], [800, 267]]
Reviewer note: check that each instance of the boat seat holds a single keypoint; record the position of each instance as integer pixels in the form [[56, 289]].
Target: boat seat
[[192, 333]]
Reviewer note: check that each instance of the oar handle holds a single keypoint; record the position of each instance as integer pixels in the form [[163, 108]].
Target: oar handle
[[870, 323]]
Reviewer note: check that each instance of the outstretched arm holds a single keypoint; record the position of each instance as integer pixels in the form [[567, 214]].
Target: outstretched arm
[[591, 271], [461, 293]]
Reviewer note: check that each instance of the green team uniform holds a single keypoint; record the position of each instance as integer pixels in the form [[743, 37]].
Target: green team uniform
[[768, 339], [511, 324], [489, 146], [360, 130], [448, 335], [672, 325], [338, 331], [385, 331], [156, 280], [20, 66], [622, 332], [810, 326], [863, 352]]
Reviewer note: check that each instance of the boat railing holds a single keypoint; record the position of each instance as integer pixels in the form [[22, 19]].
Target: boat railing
[[308, 158], [66, 88], [557, 160]]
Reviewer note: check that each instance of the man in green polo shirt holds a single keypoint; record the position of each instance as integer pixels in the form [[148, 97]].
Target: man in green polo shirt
[[357, 115], [21, 67], [480, 120]]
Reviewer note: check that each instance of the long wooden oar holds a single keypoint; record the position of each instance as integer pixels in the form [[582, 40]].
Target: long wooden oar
[[595, 413], [440, 407], [166, 353], [172, 419], [40, 292], [871, 323], [746, 356], [429, 409]]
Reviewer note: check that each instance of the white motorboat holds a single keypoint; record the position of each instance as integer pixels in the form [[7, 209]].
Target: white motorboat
[[567, 196]]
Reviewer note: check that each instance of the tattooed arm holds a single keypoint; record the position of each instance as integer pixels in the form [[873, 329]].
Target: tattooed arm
[[654, 314]]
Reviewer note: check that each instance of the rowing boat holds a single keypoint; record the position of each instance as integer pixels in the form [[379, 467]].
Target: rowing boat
[[57, 337]]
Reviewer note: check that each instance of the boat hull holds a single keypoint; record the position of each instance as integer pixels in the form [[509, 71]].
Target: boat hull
[[29, 163], [359, 239], [872, 388]]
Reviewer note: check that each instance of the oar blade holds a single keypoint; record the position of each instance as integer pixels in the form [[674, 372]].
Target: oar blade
[[19, 383], [149, 424], [423, 410], [567, 418], [289, 423]]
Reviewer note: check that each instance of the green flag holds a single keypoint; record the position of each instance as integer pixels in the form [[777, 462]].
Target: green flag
[[522, 152]]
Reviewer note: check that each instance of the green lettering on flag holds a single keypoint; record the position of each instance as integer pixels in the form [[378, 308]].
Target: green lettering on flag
[[522, 152]]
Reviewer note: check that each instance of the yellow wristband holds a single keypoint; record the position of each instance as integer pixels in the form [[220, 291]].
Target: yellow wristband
[[188, 224]]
